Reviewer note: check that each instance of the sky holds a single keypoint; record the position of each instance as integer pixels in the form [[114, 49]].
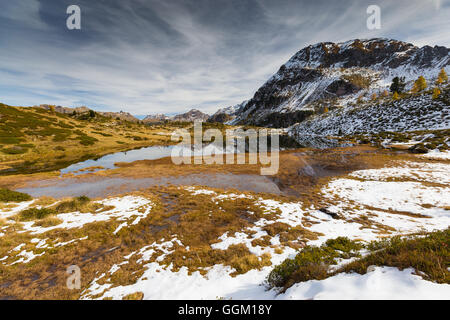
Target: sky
[[168, 56]]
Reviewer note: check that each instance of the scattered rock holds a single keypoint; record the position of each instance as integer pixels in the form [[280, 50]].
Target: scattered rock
[[371, 268], [418, 148], [334, 215]]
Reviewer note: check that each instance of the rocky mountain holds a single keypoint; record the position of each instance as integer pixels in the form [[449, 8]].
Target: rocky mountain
[[411, 113], [328, 76], [120, 115], [190, 116], [227, 114], [81, 110], [65, 110], [153, 118]]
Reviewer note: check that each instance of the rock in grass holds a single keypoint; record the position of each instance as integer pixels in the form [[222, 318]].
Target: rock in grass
[[332, 214], [418, 148]]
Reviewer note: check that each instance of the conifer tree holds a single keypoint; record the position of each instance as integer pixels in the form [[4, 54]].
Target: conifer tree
[[398, 85], [436, 93], [419, 85], [395, 96], [443, 75]]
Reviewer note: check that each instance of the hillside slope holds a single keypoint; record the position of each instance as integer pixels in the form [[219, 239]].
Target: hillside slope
[[34, 139], [412, 113], [331, 75]]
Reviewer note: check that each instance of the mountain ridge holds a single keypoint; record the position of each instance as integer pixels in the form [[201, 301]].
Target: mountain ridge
[[332, 75], [189, 116]]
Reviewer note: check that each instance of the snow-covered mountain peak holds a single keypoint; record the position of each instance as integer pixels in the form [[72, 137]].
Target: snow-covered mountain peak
[[336, 74]]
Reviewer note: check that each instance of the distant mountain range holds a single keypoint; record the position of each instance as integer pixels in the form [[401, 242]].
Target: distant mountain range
[[328, 76], [190, 116], [81, 110]]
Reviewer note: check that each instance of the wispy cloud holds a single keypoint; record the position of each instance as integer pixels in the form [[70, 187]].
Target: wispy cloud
[[166, 56]]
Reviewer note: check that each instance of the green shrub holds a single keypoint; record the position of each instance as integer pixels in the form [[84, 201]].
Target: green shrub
[[343, 244], [102, 133], [83, 199], [86, 140], [81, 204], [312, 262], [7, 195], [10, 140], [14, 150], [27, 145], [429, 254], [60, 137], [35, 214]]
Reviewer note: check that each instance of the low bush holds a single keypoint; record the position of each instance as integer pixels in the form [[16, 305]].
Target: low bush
[[80, 204], [35, 214], [76, 204], [86, 140], [15, 150], [428, 254], [312, 262], [10, 140], [7, 195]]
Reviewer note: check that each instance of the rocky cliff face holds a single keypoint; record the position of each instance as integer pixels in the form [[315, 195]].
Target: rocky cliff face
[[328, 75], [227, 114], [154, 118], [191, 116]]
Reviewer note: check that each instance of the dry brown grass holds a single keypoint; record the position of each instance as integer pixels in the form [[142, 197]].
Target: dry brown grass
[[428, 254], [134, 296], [48, 222], [195, 221]]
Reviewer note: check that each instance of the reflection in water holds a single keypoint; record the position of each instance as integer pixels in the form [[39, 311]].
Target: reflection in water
[[159, 152], [319, 142], [94, 186], [106, 186], [148, 153], [108, 161]]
